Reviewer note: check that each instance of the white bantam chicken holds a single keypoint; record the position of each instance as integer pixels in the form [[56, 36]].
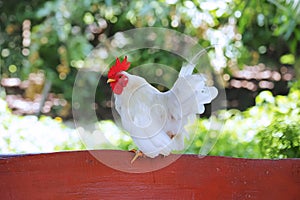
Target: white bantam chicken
[[155, 120]]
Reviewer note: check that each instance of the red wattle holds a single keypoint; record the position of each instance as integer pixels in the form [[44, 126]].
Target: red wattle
[[118, 89]]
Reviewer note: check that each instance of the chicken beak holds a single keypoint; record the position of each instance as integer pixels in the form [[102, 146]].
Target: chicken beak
[[110, 80]]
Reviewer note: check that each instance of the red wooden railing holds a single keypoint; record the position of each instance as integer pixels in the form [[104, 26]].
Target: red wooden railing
[[79, 175]]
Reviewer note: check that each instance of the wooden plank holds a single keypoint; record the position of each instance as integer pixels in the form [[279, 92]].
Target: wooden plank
[[79, 175]]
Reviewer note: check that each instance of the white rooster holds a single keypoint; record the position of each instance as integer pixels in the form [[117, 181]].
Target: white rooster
[[155, 120]]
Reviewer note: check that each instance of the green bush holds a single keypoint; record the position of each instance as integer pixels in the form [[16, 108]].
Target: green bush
[[281, 139], [30, 134], [270, 129]]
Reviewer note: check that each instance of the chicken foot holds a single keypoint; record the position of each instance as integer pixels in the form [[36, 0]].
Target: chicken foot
[[138, 153]]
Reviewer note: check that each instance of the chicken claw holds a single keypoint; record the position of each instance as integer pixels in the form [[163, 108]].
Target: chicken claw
[[137, 154], [170, 134]]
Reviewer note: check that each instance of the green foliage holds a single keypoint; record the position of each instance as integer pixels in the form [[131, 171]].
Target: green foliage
[[281, 138], [63, 33], [270, 129], [269, 28], [236, 137], [30, 134]]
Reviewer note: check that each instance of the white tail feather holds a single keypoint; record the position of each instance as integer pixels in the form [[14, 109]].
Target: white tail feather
[[186, 69]]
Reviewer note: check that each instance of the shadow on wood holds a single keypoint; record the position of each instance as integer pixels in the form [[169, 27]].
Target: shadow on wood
[[79, 175]]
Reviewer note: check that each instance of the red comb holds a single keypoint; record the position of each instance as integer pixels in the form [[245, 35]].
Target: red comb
[[119, 66]]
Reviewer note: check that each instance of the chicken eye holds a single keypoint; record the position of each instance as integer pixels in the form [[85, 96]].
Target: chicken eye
[[123, 77]]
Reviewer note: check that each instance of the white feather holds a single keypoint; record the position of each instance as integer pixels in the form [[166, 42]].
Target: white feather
[[186, 69], [151, 117]]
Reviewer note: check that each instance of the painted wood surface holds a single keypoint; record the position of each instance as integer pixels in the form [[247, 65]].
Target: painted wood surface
[[80, 175]]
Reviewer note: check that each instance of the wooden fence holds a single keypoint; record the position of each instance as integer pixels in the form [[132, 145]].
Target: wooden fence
[[79, 175]]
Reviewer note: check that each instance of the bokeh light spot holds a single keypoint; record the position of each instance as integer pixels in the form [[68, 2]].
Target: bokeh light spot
[[88, 18], [12, 68]]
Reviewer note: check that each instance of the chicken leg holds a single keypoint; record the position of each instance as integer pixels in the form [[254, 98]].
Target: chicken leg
[[138, 153]]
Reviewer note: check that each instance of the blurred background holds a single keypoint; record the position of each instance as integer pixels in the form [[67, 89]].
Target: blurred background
[[256, 47]]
